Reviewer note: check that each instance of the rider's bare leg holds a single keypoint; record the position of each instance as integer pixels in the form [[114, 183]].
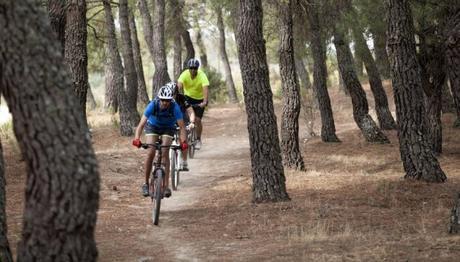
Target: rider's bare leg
[[166, 141], [198, 126], [150, 139]]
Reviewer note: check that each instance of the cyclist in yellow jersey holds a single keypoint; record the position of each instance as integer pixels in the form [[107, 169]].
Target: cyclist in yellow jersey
[[195, 83]]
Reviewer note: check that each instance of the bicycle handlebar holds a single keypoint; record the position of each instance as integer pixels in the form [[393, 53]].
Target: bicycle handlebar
[[158, 146]]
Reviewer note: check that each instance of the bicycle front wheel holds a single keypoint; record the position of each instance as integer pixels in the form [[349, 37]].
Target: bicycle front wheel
[[191, 148], [177, 175], [157, 195], [174, 166]]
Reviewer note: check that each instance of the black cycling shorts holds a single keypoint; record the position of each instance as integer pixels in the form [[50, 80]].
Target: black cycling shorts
[[159, 131], [199, 111]]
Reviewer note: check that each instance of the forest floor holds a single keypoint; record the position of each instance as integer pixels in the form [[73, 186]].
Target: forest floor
[[351, 204]]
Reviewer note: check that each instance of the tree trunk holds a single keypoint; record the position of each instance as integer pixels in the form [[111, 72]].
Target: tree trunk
[[188, 46], [303, 73], [320, 77], [177, 62], [56, 12], [76, 55], [161, 76], [90, 99], [147, 26], [454, 226], [116, 67], [231, 91], [5, 251], [359, 63], [361, 115], [267, 169], [448, 105], [384, 116], [111, 82], [142, 96], [202, 47], [452, 44], [418, 159], [431, 61], [234, 19], [342, 87], [62, 187], [381, 56], [177, 32], [128, 60], [292, 157]]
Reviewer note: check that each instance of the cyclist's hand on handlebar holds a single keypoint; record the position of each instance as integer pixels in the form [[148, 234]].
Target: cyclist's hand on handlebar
[[191, 126], [203, 104], [184, 145], [137, 143]]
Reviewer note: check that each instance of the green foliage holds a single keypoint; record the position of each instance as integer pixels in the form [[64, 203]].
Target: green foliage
[[217, 88]]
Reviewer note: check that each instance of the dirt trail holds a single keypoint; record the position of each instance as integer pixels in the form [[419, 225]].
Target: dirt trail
[[125, 231], [350, 205]]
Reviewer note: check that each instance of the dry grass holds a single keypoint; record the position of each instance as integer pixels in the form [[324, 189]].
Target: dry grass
[[351, 204]]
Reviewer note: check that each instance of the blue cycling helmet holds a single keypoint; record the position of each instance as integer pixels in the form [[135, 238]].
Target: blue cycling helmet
[[193, 63]]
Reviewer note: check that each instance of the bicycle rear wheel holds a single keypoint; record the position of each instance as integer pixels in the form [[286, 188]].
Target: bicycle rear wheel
[[157, 195]]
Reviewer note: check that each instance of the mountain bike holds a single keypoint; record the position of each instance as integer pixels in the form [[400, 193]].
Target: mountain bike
[[156, 182], [175, 159]]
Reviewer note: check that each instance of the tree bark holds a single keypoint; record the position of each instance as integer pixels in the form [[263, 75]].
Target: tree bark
[[56, 12], [202, 47], [384, 116], [267, 169], [431, 59], [188, 47], [142, 96], [5, 251], [111, 82], [128, 61], [62, 187], [452, 44], [448, 105], [91, 101], [161, 76], [177, 7], [292, 157], [361, 115], [116, 67], [418, 159], [320, 76], [303, 73], [381, 56], [147, 25], [231, 91], [75, 50]]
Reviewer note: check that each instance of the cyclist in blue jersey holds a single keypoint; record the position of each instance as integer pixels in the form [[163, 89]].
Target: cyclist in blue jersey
[[159, 120]]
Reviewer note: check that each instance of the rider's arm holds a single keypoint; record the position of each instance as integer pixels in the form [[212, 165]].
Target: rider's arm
[[182, 134], [205, 96], [180, 86], [140, 127]]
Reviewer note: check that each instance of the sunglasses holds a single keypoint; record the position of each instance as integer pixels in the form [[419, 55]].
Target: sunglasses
[[193, 68], [165, 100]]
